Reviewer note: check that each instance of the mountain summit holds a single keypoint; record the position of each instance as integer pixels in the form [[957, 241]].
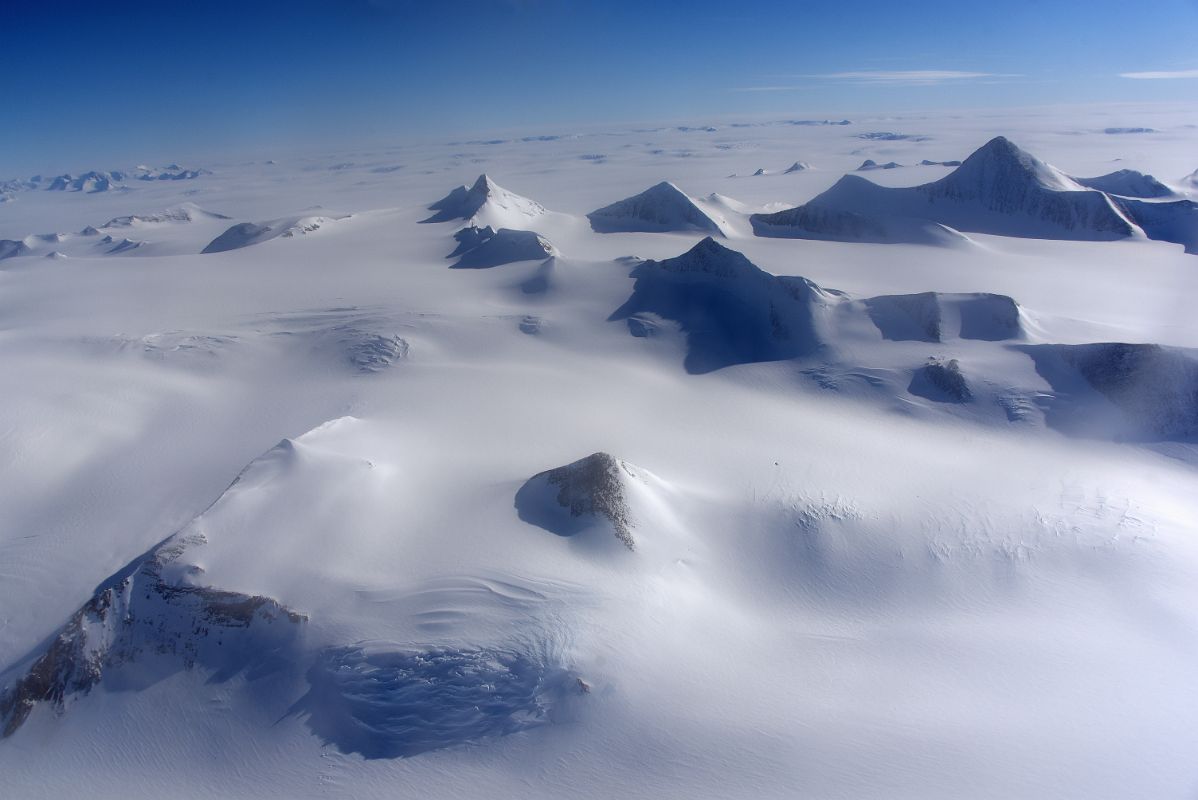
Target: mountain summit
[[658, 209], [1000, 189], [485, 203]]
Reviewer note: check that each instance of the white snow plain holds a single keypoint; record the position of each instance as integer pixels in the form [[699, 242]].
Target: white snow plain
[[284, 519]]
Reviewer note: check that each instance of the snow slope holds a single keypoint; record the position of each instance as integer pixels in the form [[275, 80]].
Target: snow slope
[[247, 234], [660, 208], [480, 248], [999, 189], [486, 203], [643, 514], [1127, 183], [732, 311]]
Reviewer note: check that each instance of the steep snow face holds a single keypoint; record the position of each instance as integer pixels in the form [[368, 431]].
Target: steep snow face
[[481, 248], [999, 166], [10, 248], [1128, 183], [247, 234], [1171, 221], [817, 221], [1129, 391], [936, 317], [1000, 189], [658, 209], [486, 203], [732, 311]]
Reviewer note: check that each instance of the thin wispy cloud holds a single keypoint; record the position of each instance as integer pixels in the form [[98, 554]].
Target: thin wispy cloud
[[1165, 75], [907, 77], [882, 77], [767, 88]]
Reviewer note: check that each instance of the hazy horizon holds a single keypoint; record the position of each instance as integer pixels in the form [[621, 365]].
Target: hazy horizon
[[99, 87]]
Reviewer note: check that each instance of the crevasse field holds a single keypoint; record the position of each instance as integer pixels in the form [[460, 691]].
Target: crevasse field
[[309, 489]]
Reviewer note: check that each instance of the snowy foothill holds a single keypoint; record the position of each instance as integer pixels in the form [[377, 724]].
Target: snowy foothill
[[821, 484]]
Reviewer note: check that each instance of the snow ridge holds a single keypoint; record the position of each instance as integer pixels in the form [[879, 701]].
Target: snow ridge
[[999, 189]]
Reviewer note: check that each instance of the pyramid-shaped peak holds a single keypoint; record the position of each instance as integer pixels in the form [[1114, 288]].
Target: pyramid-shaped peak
[[1001, 150], [1001, 162], [484, 185], [564, 499], [661, 208], [1001, 145], [712, 258], [486, 203], [665, 189]]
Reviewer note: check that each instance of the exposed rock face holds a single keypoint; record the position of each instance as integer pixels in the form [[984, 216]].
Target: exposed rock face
[[798, 166], [369, 352], [941, 380], [658, 209], [588, 488], [732, 311], [592, 485], [869, 164], [139, 613]]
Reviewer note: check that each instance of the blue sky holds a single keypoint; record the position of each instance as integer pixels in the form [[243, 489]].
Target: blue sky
[[93, 84]]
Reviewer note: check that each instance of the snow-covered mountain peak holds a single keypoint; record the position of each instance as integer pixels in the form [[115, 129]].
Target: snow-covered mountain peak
[[661, 208], [486, 203], [712, 258], [1000, 165]]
